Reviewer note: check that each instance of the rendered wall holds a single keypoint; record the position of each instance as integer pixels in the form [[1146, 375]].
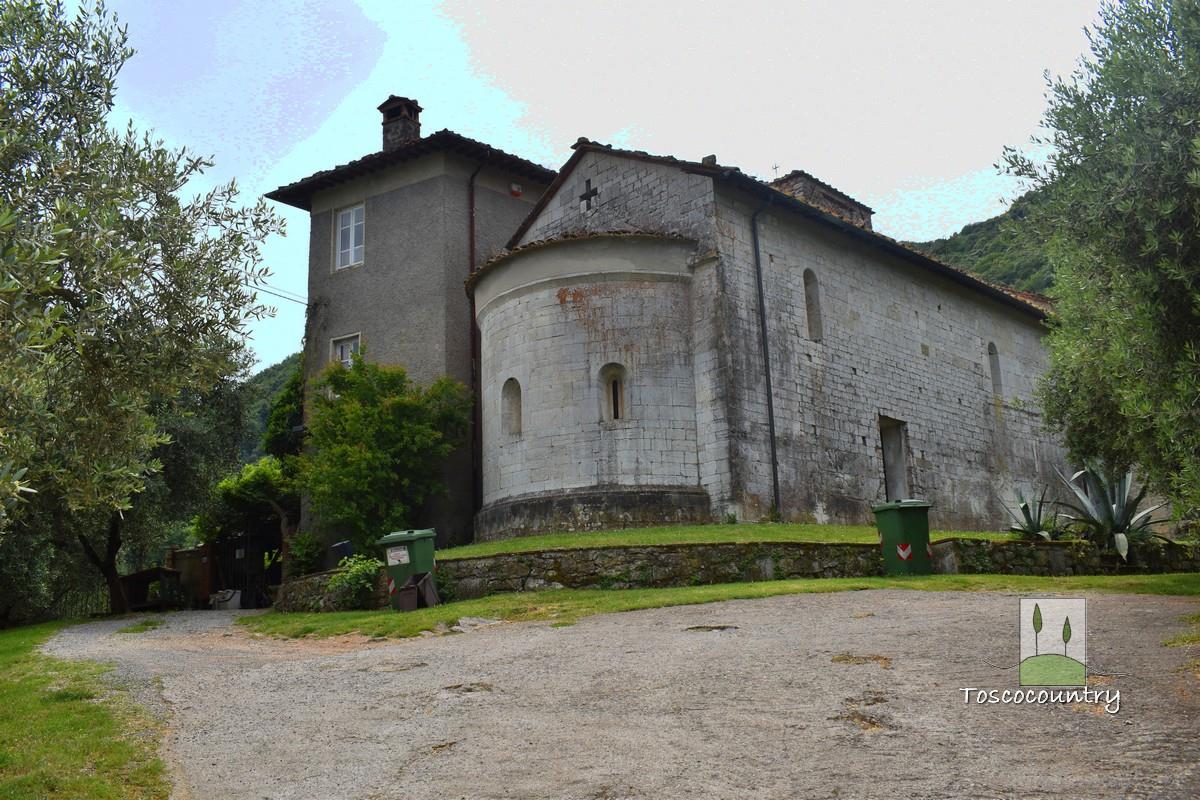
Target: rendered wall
[[406, 300]]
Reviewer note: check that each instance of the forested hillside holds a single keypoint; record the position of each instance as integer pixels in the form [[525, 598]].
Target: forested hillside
[[257, 394], [1002, 249]]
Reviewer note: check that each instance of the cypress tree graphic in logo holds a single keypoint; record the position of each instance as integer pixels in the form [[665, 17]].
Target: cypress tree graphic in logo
[[1065, 668]]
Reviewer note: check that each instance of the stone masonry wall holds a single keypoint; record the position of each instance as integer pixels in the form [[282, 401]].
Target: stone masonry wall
[[555, 339], [641, 196], [311, 593], [698, 564], [895, 341]]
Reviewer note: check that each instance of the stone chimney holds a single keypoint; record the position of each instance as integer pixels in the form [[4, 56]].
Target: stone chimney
[[401, 121], [802, 186]]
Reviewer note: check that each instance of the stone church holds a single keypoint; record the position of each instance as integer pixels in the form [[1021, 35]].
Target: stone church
[[655, 340]]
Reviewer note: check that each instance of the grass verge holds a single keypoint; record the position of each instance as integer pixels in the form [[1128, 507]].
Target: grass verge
[[148, 624], [1189, 639], [565, 606], [695, 534], [65, 734]]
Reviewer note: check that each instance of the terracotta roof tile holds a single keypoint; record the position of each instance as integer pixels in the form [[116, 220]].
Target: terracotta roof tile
[[299, 193], [539, 244]]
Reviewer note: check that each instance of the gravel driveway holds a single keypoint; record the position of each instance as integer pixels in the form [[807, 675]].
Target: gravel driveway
[[848, 695]]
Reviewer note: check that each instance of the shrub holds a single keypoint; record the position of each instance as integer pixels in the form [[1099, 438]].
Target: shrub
[[1032, 524], [376, 445], [304, 554], [1108, 510], [354, 582]]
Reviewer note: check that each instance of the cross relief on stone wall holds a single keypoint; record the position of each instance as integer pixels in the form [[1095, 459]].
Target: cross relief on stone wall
[[588, 200]]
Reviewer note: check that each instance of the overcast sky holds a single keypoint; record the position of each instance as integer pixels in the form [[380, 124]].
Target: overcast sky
[[903, 105]]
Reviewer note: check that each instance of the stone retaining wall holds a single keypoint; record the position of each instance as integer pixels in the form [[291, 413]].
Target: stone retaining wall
[[311, 593], [654, 566], [979, 556], [698, 564]]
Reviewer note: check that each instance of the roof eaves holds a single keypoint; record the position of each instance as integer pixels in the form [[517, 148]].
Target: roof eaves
[[584, 145], [299, 193], [1029, 302], [492, 263]]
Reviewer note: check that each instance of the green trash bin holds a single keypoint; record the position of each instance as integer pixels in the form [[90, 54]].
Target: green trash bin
[[406, 553], [904, 537]]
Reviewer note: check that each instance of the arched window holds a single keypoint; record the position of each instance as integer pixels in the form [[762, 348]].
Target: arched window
[[994, 365], [510, 408], [614, 401], [812, 305]]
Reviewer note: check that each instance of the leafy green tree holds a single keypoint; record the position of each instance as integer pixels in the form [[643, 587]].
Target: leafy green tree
[[284, 433], [1066, 634], [148, 298], [264, 488], [376, 445], [1119, 203], [260, 394], [205, 432]]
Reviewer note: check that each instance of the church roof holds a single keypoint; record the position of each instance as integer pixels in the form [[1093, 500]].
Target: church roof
[[538, 244], [1029, 302], [299, 194]]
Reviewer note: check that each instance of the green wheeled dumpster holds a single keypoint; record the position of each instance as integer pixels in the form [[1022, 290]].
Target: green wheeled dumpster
[[904, 536], [406, 554]]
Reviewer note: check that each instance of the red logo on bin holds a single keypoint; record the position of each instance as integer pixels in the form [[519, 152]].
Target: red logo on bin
[[904, 551], [391, 586]]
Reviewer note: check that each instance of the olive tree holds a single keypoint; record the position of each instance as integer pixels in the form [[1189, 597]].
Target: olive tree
[[1118, 175], [150, 292]]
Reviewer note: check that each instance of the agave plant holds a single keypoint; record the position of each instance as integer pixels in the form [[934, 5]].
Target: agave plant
[[1030, 524], [1108, 510]]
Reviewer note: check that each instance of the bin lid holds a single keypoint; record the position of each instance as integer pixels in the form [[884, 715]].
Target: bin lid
[[397, 537], [901, 504]]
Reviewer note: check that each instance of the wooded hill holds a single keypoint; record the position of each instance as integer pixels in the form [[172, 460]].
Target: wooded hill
[[1003, 249], [258, 393]]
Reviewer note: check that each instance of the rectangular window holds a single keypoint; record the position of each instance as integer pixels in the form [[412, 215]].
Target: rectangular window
[[345, 348], [351, 224]]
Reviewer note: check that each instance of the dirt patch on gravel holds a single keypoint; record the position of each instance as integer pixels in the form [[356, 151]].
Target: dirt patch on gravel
[[644, 705]]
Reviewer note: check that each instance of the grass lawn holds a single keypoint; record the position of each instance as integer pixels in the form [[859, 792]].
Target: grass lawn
[[65, 734], [695, 534], [565, 606], [148, 624]]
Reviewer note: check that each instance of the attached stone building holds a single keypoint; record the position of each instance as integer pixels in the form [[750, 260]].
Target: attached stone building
[[667, 340], [392, 238]]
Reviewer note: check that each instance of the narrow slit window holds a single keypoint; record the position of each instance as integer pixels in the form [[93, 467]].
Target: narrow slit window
[[812, 305], [510, 408], [994, 366], [614, 388]]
